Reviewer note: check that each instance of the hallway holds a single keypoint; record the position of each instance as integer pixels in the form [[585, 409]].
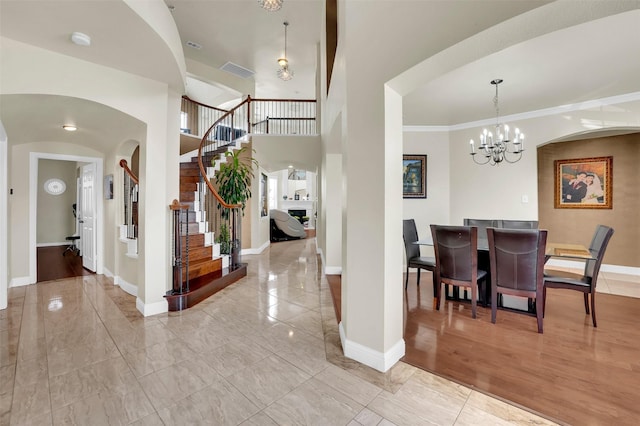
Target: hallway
[[264, 351], [57, 262]]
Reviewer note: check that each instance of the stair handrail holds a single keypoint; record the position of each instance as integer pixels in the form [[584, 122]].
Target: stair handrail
[[203, 141], [127, 170], [130, 198], [204, 105]]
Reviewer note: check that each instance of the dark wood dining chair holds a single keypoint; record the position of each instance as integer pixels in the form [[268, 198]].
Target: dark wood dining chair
[[585, 282], [412, 250], [456, 250], [517, 259]]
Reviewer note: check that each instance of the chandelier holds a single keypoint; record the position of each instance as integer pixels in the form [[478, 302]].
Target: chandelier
[[271, 5], [498, 147], [284, 72]]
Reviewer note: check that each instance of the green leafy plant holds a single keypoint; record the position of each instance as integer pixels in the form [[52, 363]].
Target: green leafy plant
[[234, 177]]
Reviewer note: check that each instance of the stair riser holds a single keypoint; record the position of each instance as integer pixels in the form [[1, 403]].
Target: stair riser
[[197, 253], [201, 269]]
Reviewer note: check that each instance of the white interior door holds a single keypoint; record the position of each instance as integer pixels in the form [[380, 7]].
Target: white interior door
[[87, 217]]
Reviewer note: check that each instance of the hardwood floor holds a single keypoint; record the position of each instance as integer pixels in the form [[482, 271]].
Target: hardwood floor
[[573, 373], [52, 265]]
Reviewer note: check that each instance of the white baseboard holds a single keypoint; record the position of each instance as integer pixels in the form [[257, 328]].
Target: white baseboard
[[107, 273], [367, 356], [333, 270], [628, 270], [63, 243], [20, 281], [151, 308], [132, 289], [256, 250]]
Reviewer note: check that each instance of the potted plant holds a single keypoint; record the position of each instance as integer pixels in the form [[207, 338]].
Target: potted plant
[[224, 239], [234, 186], [234, 177]]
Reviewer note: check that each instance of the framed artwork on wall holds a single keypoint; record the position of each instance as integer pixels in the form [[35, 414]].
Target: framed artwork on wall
[[108, 187], [414, 176], [584, 183]]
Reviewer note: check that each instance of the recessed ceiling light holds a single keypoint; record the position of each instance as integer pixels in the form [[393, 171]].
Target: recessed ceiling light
[[69, 128], [81, 39]]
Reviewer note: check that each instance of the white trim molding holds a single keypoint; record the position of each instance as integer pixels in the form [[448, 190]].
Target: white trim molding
[[20, 281], [381, 361], [33, 206], [333, 270], [561, 109], [256, 250], [132, 289], [151, 308], [62, 243]]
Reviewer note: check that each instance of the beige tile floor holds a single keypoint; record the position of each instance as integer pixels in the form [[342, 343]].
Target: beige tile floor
[[264, 351]]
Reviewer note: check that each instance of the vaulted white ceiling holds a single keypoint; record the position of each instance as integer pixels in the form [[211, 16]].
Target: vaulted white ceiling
[[588, 61]]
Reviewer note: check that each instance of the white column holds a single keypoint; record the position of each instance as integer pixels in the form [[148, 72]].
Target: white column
[[371, 328]]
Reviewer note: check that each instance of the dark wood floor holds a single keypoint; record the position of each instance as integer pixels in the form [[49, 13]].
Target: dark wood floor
[[573, 373], [52, 265]]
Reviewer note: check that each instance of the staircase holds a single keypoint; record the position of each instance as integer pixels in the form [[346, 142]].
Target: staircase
[[203, 271], [207, 271]]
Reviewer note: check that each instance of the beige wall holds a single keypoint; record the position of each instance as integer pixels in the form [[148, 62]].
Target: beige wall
[[577, 225], [55, 219]]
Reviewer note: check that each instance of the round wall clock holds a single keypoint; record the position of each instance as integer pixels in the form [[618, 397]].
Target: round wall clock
[[55, 186]]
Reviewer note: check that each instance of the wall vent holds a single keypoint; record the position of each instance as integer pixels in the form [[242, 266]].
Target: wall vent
[[236, 69], [194, 45]]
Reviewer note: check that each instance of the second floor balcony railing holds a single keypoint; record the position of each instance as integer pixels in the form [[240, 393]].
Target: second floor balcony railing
[[256, 116]]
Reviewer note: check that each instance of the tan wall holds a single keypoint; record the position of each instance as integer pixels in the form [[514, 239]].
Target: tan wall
[[577, 225]]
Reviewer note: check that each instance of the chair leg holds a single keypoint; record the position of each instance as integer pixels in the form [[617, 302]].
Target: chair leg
[[406, 280], [494, 303], [593, 309], [544, 300], [586, 303], [418, 277], [435, 291], [474, 301], [439, 298], [539, 318]]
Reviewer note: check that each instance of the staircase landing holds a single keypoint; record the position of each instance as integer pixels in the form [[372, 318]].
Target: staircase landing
[[202, 287]]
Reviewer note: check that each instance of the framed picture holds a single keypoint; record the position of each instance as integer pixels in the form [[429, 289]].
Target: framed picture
[[108, 187], [584, 183], [414, 176]]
